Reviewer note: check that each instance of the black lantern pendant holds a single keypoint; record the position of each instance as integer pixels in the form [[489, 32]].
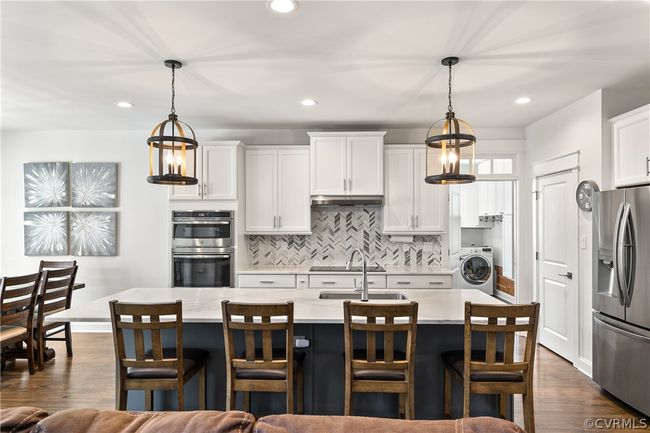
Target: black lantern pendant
[[170, 145], [450, 149]]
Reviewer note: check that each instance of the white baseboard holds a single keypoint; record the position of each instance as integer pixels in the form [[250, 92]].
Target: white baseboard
[[92, 327], [584, 366]]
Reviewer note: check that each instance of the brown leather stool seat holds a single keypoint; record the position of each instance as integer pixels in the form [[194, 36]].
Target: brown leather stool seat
[[372, 374], [270, 373], [191, 357], [456, 361]]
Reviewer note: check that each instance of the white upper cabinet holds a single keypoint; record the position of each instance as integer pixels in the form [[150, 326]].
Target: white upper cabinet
[[347, 163], [412, 206], [469, 198], [277, 190], [216, 171], [430, 201], [631, 145]]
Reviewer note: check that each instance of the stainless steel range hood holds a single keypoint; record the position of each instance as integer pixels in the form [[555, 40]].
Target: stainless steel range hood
[[347, 200]]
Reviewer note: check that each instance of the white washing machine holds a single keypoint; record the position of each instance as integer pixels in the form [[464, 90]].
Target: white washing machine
[[477, 269]]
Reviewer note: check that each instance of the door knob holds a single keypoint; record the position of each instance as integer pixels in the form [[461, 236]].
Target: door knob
[[569, 275]]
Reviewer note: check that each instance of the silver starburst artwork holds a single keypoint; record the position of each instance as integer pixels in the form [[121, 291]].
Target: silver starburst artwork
[[46, 233], [46, 184], [94, 184], [93, 233]]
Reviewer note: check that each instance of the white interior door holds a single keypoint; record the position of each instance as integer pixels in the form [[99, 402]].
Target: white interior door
[[261, 187], [557, 267], [294, 212]]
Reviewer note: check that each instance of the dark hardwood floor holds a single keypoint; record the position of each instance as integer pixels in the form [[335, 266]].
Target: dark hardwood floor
[[564, 397]]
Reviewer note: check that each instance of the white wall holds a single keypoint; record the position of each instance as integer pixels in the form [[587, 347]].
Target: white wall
[[582, 127]]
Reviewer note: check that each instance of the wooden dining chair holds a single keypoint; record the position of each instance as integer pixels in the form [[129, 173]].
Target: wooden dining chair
[[265, 369], [46, 265], [373, 369], [158, 368], [491, 371], [54, 295], [18, 300]]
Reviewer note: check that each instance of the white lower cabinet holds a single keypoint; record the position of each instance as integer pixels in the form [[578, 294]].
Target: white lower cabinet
[[267, 280], [341, 281], [418, 281]]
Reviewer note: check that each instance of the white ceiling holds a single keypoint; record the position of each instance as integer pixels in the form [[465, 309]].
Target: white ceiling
[[369, 64]]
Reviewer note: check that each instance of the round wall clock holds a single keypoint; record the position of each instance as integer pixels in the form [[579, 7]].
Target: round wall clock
[[585, 194]]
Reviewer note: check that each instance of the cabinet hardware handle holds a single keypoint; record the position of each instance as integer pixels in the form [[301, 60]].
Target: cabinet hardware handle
[[328, 282], [345, 184], [436, 282], [350, 184], [371, 282], [200, 190], [403, 282], [275, 224], [279, 221], [647, 165], [568, 275], [417, 221], [205, 188], [267, 281]]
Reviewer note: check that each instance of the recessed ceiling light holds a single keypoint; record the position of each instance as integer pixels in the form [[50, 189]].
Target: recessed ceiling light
[[523, 100], [309, 102], [124, 104], [282, 6]]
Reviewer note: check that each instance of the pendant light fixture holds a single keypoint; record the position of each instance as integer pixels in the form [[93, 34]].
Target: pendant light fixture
[[170, 146], [450, 149]]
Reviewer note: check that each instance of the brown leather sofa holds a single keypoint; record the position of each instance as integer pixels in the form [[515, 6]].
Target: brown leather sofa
[[35, 420]]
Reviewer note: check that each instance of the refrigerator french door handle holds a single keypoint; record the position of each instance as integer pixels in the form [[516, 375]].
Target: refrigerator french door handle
[[630, 259], [616, 257]]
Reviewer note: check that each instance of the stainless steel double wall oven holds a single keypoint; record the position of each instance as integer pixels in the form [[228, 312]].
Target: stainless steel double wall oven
[[202, 248]]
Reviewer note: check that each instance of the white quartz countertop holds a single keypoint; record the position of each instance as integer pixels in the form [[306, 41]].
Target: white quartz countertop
[[390, 270], [203, 305]]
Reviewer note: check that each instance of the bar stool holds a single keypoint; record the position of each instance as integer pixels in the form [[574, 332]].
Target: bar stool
[[17, 303], [267, 369], [490, 371], [158, 368], [55, 295], [380, 370]]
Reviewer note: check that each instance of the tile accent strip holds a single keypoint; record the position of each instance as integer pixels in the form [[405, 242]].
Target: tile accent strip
[[336, 231]]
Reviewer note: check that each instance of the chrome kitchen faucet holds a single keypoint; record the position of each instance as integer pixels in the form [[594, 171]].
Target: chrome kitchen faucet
[[364, 273]]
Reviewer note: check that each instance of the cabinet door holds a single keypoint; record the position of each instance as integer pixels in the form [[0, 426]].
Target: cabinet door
[[469, 205], [261, 187], [219, 172], [430, 201], [631, 141], [328, 157], [398, 201], [365, 165], [189, 192], [294, 212]]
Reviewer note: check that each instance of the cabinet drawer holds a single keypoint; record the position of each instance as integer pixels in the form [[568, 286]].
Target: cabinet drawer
[[345, 281], [267, 280], [419, 282]]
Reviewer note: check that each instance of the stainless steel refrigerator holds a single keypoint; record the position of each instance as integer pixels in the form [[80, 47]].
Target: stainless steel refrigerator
[[621, 295]]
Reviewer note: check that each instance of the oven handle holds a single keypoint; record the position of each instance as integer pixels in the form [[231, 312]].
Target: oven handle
[[220, 222], [202, 256]]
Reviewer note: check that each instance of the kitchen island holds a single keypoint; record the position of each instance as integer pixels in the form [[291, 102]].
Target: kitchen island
[[440, 328]]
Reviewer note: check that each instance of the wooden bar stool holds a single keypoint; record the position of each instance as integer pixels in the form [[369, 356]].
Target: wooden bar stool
[[17, 303], [158, 368], [266, 369], [55, 294], [380, 370], [490, 371]]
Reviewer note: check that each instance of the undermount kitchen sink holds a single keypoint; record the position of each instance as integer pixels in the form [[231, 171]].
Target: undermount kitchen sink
[[395, 296]]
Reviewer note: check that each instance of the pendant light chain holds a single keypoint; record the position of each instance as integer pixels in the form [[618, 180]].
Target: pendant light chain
[[174, 88], [449, 107]]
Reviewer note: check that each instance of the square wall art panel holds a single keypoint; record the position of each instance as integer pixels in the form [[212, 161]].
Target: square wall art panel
[[46, 233], [93, 233], [46, 184], [94, 184]]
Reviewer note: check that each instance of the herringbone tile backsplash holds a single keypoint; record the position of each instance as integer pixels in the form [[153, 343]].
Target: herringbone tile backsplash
[[336, 231]]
